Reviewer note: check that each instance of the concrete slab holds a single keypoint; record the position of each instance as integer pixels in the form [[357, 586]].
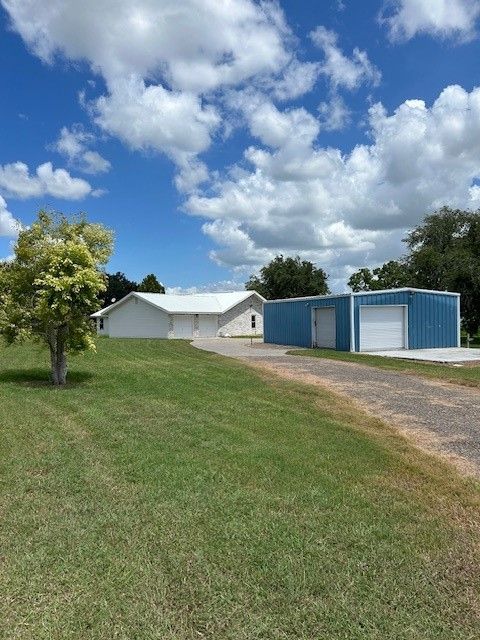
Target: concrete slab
[[450, 355], [241, 347]]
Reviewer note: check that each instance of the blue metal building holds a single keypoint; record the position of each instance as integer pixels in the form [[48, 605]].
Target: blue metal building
[[366, 321]]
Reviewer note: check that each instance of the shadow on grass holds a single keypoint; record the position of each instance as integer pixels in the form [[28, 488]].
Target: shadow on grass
[[41, 378]]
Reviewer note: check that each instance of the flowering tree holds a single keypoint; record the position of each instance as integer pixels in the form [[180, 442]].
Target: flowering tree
[[52, 285]]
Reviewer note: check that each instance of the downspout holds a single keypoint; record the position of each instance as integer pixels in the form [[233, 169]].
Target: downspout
[[352, 324]]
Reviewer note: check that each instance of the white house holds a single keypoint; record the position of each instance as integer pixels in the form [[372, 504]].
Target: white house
[[159, 315]]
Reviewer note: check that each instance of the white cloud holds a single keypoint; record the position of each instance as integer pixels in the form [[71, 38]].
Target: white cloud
[[296, 80], [16, 181], [334, 114], [440, 18], [73, 143], [196, 45], [166, 64], [345, 209], [274, 128], [349, 73], [174, 53], [151, 117], [192, 172], [8, 225]]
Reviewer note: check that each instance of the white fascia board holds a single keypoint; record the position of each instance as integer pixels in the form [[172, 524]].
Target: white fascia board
[[246, 297], [192, 313], [403, 290], [132, 294], [333, 295], [105, 310], [459, 324]]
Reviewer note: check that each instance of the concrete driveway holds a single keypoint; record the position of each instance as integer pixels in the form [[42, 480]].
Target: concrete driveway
[[241, 347], [439, 418], [450, 355]]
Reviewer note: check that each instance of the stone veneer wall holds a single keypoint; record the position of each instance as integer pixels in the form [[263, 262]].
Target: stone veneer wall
[[237, 321], [170, 326]]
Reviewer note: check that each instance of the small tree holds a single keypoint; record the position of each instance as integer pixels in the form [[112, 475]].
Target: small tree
[[289, 278], [150, 284], [52, 285]]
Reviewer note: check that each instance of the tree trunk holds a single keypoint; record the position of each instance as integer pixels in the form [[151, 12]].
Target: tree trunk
[[58, 357]]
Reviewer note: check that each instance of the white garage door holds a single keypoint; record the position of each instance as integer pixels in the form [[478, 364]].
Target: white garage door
[[183, 326], [325, 332], [382, 327], [207, 326]]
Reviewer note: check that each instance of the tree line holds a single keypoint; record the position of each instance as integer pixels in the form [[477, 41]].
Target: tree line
[[118, 286], [443, 253]]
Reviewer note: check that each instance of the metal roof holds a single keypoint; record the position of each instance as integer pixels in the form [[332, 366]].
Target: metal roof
[[211, 303], [364, 293]]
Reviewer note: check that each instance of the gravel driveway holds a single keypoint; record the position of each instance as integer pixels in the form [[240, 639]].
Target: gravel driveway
[[440, 418]]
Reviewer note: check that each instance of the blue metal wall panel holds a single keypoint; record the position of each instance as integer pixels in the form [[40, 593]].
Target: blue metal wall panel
[[433, 322], [287, 323], [290, 322], [432, 317], [342, 319]]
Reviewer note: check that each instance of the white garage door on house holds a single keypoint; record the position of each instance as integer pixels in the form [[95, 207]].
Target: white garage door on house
[[207, 326], [382, 327], [183, 326], [325, 330]]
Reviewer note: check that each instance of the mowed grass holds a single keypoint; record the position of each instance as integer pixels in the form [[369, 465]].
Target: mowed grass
[[170, 493], [468, 375]]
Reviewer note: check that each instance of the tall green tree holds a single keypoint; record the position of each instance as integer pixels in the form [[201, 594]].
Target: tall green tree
[[52, 285], [118, 286], [445, 255], [391, 275], [289, 278], [150, 284]]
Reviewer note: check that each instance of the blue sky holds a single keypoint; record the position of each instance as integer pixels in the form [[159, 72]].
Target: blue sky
[[213, 136]]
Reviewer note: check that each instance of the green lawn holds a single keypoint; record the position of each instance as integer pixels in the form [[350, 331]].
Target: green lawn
[[468, 375], [169, 493]]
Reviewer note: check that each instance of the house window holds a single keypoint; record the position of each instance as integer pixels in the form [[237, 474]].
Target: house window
[[254, 321], [100, 324]]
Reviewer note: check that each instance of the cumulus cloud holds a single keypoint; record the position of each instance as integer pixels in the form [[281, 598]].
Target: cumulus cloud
[[195, 45], [297, 79], [334, 114], [163, 61], [16, 181], [439, 18], [336, 208], [151, 117], [73, 143], [342, 71], [188, 71], [9, 227]]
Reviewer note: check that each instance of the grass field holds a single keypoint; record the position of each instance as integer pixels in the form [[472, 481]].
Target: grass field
[[169, 493], [468, 375]]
